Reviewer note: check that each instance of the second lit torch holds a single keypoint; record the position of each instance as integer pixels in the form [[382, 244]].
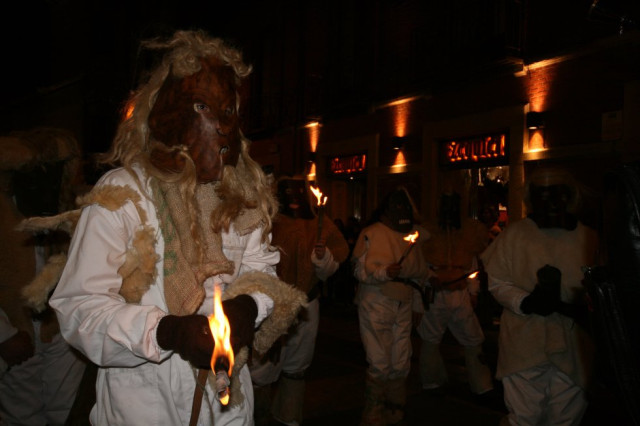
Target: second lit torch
[[411, 238], [322, 200]]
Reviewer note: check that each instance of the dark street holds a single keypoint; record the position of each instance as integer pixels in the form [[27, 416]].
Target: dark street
[[335, 387]]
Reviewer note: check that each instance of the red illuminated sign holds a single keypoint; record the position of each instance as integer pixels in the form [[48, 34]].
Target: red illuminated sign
[[347, 165], [476, 150]]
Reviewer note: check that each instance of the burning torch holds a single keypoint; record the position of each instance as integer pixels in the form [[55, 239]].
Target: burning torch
[[471, 275], [222, 358], [322, 200], [411, 238]]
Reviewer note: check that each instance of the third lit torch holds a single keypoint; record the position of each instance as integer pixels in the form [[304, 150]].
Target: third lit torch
[[322, 200]]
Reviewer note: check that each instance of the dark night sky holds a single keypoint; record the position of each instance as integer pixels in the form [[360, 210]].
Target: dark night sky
[[46, 42]]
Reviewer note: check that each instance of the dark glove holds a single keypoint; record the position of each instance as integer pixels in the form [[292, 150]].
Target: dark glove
[[549, 277], [17, 348], [545, 297], [241, 311], [190, 336]]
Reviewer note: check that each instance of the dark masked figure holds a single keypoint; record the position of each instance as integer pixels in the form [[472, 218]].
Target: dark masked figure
[[535, 272], [312, 249], [40, 373], [452, 252], [387, 271]]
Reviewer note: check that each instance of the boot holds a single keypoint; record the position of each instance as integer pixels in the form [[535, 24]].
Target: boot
[[373, 413], [396, 399], [480, 380], [433, 373], [289, 398]]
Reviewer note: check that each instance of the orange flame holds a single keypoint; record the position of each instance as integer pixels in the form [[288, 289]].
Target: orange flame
[[318, 194], [221, 332], [412, 237], [473, 275]]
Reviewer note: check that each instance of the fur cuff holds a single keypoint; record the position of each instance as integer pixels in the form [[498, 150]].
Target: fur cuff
[[287, 302]]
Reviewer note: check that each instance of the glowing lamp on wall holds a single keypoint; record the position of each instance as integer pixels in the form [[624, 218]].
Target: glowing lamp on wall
[[397, 142], [535, 120]]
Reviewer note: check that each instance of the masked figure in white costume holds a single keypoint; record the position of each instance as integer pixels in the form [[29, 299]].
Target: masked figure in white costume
[[38, 177], [386, 300], [187, 212], [453, 251], [534, 268], [306, 259]]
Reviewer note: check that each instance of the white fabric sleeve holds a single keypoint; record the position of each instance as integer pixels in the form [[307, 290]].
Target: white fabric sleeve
[[507, 294], [93, 316], [326, 266], [378, 276], [369, 273], [265, 306], [258, 255]]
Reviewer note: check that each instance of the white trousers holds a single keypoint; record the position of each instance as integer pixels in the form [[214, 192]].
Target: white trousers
[[297, 352], [385, 329], [543, 395], [453, 310], [41, 390]]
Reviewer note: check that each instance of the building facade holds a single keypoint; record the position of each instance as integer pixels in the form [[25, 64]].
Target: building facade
[[520, 85]]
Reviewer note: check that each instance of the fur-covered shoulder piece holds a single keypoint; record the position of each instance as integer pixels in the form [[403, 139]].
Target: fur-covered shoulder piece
[[36, 146], [113, 197], [66, 222], [139, 269], [287, 302]]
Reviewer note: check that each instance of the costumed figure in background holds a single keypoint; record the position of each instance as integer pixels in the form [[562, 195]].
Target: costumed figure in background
[[534, 268], [306, 260], [40, 371], [452, 251], [489, 216], [187, 213], [487, 309], [386, 298]]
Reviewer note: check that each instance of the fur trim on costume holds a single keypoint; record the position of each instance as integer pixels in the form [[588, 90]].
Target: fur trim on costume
[[15, 154], [36, 293], [287, 302], [37, 146], [139, 268], [112, 197], [66, 222]]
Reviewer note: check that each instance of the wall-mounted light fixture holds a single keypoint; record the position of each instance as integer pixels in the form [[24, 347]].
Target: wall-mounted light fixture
[[398, 142], [535, 120]]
